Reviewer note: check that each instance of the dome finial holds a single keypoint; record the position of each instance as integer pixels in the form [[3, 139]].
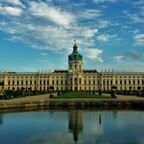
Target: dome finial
[[75, 47], [74, 42]]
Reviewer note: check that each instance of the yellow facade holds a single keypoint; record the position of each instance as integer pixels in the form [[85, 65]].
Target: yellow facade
[[75, 78]]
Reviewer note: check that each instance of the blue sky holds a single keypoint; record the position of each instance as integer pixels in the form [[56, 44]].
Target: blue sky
[[38, 34]]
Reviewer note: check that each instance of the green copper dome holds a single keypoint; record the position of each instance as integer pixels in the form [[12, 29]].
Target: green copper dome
[[75, 55]]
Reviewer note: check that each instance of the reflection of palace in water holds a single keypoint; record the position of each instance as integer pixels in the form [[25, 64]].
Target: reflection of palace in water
[[75, 123]]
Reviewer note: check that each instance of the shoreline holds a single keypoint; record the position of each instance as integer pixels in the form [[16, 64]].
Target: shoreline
[[43, 101]]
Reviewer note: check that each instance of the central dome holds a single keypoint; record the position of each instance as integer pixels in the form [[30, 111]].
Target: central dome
[[75, 55]]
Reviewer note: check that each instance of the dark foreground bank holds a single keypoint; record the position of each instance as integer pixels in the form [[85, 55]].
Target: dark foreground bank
[[73, 103]]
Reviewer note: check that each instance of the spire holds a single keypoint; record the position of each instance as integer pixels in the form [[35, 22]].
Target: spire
[[75, 47]]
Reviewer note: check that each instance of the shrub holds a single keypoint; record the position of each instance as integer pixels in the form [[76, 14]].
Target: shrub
[[100, 92], [58, 93], [51, 96]]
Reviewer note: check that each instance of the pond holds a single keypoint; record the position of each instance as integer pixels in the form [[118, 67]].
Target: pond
[[72, 126]]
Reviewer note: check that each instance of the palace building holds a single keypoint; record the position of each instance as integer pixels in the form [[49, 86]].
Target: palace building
[[74, 79]]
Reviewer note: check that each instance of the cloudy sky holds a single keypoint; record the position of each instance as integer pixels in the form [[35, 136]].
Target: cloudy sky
[[38, 34]]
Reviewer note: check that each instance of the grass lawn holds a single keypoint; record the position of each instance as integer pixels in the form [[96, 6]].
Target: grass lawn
[[71, 95]]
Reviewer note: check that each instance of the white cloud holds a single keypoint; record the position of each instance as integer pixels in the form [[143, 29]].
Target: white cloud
[[13, 11], [117, 58], [15, 2], [130, 66], [105, 37], [135, 17], [142, 11], [122, 66], [44, 54], [29, 69], [42, 60], [103, 23], [93, 54], [90, 13], [47, 27], [139, 39], [102, 1], [86, 32], [54, 14], [134, 31]]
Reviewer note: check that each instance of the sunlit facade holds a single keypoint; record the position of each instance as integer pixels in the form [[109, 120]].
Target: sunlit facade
[[74, 79]]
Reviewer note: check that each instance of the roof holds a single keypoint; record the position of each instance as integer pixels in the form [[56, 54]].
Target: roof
[[60, 71], [90, 71]]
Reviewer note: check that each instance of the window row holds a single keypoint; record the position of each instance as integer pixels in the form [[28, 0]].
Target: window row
[[29, 88], [26, 82]]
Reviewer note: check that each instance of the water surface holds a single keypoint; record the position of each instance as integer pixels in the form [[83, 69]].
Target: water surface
[[72, 126]]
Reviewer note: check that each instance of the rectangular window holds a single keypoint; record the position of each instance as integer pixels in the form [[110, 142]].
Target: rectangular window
[[89, 82], [57, 82], [79, 80], [138, 82], [22, 82], [111, 82], [65, 82], [116, 82]]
